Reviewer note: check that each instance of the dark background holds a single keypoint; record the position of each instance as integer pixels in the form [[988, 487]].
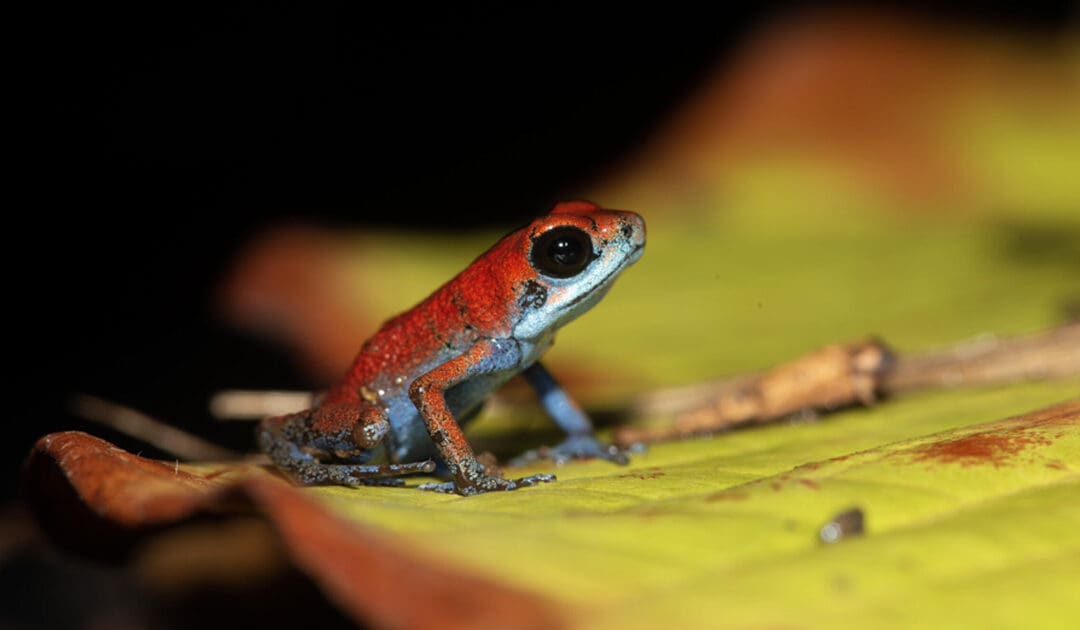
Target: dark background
[[158, 137]]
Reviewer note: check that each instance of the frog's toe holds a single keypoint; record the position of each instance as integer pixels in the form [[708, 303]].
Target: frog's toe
[[486, 483], [574, 447], [445, 487], [533, 480], [354, 476], [390, 482]]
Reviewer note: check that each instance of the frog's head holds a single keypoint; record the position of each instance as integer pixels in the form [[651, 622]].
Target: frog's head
[[574, 254]]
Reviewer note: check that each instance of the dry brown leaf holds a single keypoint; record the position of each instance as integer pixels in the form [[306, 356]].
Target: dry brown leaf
[[102, 500]]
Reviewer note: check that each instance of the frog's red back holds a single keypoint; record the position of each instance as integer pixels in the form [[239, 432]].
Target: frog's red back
[[478, 302]]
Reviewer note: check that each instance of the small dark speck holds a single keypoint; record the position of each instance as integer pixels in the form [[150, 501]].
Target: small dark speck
[[1070, 309], [843, 525], [760, 305]]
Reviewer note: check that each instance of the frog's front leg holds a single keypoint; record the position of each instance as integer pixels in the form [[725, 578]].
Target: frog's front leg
[[428, 393], [293, 440], [580, 443]]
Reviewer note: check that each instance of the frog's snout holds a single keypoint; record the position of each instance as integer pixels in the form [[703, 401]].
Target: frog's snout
[[633, 228]]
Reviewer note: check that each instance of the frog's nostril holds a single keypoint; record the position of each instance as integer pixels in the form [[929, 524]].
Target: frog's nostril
[[637, 229], [632, 227]]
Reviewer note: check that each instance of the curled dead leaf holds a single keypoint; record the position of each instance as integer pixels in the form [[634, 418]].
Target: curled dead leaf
[[101, 500]]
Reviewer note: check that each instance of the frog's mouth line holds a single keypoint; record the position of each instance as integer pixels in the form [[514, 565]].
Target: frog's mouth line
[[632, 258]]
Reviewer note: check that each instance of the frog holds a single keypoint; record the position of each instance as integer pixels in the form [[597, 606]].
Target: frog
[[400, 408]]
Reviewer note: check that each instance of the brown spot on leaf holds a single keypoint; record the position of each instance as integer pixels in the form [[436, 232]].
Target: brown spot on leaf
[[576, 513], [652, 512], [727, 495], [809, 483], [1001, 441], [648, 473], [995, 448], [1064, 415]]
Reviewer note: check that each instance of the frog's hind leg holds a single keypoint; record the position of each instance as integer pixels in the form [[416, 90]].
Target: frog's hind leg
[[294, 446]]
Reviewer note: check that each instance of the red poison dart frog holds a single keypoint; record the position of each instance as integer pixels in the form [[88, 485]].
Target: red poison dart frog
[[428, 370]]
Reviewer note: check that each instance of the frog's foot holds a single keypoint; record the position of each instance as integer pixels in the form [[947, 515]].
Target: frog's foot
[[290, 442], [486, 483], [574, 447], [355, 475]]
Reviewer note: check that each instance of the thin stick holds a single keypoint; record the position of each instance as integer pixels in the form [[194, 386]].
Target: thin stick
[[990, 361], [847, 374], [242, 404], [154, 432]]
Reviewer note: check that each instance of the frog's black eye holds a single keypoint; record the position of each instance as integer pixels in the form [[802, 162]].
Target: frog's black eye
[[562, 252]]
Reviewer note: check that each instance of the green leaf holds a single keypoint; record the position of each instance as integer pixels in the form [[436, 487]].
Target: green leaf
[[970, 520], [725, 529]]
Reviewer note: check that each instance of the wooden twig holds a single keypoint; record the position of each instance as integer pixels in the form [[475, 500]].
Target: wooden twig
[[990, 361], [834, 377], [848, 374], [154, 432], [241, 404]]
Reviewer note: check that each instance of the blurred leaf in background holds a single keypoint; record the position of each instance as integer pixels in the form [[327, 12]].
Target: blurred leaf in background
[[846, 174]]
